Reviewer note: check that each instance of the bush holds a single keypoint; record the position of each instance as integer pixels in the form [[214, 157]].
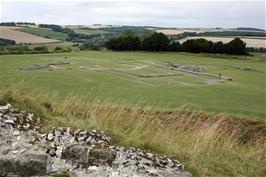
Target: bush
[[6, 42], [41, 49]]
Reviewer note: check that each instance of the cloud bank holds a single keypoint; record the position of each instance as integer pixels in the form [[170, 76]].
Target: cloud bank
[[160, 13]]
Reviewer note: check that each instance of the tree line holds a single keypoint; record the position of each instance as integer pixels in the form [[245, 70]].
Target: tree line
[[16, 23], [160, 42], [6, 42]]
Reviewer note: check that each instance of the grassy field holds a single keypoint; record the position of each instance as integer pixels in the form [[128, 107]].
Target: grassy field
[[116, 76], [44, 32], [207, 144]]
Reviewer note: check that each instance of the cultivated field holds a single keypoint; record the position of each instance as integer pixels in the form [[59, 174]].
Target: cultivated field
[[44, 32], [142, 78], [179, 31], [21, 37], [251, 42]]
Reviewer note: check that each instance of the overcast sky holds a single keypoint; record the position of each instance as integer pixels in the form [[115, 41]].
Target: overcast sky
[[160, 13]]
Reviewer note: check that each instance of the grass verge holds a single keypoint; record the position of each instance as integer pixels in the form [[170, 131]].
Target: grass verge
[[207, 144]]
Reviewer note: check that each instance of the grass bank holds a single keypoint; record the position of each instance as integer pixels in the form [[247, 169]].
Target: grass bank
[[208, 144], [96, 73]]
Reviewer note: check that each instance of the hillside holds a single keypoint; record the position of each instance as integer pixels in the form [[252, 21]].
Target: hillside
[[44, 32], [21, 37]]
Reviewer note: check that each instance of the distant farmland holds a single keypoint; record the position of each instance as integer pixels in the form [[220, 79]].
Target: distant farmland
[[21, 37], [43, 32], [88, 31], [178, 31], [251, 42]]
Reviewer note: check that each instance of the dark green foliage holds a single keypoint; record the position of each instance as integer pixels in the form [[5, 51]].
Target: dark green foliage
[[64, 174], [53, 27], [61, 49], [8, 24], [41, 49], [218, 47], [197, 46], [249, 29], [24, 49], [17, 49], [175, 47], [236, 47], [16, 23], [25, 23], [253, 49], [127, 41], [160, 42], [58, 48], [234, 33], [156, 42], [87, 45], [6, 42]]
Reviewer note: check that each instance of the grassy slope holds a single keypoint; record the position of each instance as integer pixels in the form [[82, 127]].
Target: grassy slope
[[245, 95], [44, 33], [208, 145], [88, 31]]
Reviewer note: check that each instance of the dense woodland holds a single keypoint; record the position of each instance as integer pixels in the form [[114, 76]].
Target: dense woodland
[[160, 42]]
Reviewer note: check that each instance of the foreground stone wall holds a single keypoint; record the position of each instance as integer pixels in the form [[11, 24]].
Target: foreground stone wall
[[25, 151]]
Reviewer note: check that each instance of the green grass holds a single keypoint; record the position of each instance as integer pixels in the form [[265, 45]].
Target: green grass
[[89, 31], [207, 144], [44, 32], [245, 95]]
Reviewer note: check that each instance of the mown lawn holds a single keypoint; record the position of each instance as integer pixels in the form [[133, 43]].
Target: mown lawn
[[44, 33], [108, 76]]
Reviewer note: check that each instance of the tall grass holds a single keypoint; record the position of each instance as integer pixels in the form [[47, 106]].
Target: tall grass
[[208, 144]]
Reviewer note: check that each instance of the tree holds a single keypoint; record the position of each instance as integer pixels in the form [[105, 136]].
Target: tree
[[175, 47], [156, 42], [236, 47], [197, 45], [6, 42], [218, 47], [127, 41]]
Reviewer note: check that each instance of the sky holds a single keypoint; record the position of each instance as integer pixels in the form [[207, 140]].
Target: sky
[[206, 14]]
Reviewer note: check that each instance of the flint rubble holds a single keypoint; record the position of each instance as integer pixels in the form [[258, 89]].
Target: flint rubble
[[25, 151]]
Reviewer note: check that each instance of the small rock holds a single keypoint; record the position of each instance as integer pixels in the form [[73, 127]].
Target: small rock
[[50, 136], [16, 133], [9, 122]]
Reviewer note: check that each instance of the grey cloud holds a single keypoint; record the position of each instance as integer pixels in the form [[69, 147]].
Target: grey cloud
[[162, 13]]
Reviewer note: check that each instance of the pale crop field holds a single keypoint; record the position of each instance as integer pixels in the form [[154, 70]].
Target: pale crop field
[[251, 42], [21, 37], [178, 31]]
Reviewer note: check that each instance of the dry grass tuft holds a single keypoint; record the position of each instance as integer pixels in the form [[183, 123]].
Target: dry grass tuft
[[208, 144]]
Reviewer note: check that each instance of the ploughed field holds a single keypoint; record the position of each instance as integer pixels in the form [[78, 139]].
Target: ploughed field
[[146, 79], [23, 36]]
